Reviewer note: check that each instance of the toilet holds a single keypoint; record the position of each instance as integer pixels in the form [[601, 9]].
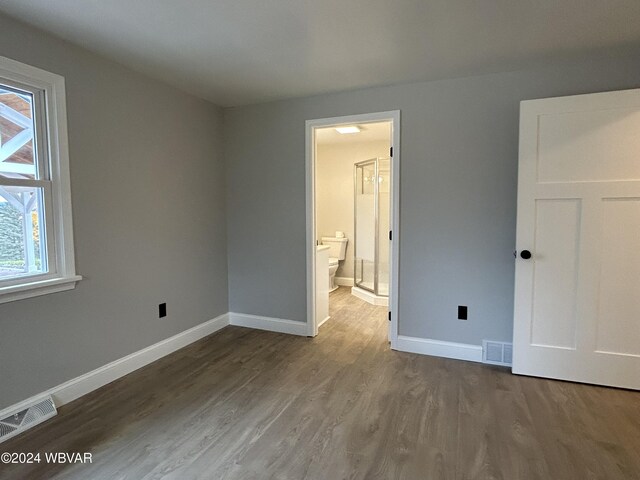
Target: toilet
[[337, 253]]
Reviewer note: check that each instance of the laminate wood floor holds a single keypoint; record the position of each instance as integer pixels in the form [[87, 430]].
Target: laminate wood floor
[[246, 404]]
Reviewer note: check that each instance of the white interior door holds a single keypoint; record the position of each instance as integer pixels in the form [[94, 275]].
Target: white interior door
[[577, 299]]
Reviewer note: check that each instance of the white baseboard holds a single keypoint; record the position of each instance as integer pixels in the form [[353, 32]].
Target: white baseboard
[[79, 386], [322, 321], [343, 281], [268, 323], [438, 348]]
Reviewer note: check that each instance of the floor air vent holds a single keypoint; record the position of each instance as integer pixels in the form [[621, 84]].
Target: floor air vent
[[18, 421], [497, 353]]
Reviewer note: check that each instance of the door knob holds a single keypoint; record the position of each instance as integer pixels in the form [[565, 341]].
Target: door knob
[[526, 254]]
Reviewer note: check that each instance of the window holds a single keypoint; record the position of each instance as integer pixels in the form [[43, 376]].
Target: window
[[36, 235]]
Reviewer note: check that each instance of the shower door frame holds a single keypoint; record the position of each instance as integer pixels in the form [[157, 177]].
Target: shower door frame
[[376, 219], [393, 117]]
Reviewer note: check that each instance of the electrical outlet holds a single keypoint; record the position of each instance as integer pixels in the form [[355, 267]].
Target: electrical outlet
[[462, 312], [162, 310]]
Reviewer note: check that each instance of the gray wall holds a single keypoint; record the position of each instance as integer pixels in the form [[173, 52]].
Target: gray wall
[[149, 217], [458, 194]]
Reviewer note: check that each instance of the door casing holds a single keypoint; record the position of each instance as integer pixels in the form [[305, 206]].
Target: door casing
[[310, 163]]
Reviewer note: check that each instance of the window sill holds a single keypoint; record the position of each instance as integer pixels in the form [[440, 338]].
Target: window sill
[[34, 289]]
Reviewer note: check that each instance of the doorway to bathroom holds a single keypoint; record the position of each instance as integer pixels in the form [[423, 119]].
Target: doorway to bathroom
[[352, 167]]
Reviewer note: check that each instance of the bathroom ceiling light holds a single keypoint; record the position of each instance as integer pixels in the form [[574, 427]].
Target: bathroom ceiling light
[[349, 129]]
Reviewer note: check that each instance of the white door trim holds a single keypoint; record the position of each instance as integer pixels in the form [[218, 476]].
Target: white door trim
[[310, 162]]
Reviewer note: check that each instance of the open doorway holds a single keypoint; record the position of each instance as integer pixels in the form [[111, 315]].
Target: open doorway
[[352, 214]]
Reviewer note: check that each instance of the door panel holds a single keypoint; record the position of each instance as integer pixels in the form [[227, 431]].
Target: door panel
[[573, 145], [556, 245], [577, 300], [618, 328]]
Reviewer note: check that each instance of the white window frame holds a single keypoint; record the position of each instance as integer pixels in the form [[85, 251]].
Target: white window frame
[[53, 155]]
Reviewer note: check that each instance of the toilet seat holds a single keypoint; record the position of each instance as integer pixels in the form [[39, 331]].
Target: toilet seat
[[333, 261]]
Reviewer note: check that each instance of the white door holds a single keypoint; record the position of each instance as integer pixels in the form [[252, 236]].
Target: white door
[[577, 299]]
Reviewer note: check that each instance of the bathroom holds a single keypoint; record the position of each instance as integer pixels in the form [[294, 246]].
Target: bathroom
[[352, 193]]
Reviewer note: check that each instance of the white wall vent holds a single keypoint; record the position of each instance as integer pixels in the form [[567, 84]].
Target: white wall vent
[[497, 353], [17, 421]]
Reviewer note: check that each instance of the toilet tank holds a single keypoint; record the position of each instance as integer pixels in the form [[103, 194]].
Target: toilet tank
[[337, 247]]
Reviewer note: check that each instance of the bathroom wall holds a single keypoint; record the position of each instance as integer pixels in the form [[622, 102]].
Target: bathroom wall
[[334, 190]]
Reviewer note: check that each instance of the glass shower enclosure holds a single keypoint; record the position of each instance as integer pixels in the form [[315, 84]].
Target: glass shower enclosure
[[371, 225]]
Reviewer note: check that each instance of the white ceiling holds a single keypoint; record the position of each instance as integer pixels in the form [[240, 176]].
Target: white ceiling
[[369, 132], [236, 52]]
